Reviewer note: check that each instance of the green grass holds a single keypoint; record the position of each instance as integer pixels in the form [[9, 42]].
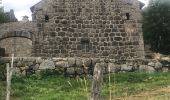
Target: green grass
[[56, 87]]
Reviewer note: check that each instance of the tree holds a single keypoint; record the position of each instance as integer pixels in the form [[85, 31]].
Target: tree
[[6, 17], [156, 25], [3, 17]]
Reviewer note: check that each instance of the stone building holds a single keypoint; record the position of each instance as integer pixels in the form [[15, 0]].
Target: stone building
[[85, 28]]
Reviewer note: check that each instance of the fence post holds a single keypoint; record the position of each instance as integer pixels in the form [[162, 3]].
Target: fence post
[[9, 77], [97, 81], [8, 82]]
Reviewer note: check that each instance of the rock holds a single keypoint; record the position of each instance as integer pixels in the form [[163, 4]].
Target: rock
[[29, 63], [36, 67], [79, 71], [145, 68], [71, 62], [113, 68], [95, 60], [16, 71], [79, 63], [125, 67], [20, 64], [165, 63], [105, 67], [62, 64], [70, 71], [151, 64], [87, 62], [164, 69], [39, 61], [158, 65], [47, 64]]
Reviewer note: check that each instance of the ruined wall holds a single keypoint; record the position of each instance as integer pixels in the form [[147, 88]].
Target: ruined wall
[[21, 47], [88, 28], [17, 37]]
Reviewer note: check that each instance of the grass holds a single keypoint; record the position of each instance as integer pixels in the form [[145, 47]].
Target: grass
[[55, 87]]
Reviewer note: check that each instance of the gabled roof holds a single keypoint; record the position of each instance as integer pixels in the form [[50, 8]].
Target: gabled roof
[[36, 6]]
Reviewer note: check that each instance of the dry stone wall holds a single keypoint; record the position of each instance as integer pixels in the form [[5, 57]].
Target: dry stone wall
[[85, 66], [88, 28]]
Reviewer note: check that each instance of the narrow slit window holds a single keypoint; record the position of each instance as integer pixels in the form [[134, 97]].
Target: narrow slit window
[[46, 18], [127, 16]]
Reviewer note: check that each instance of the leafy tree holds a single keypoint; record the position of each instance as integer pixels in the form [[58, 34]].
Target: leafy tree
[[156, 25], [7, 16]]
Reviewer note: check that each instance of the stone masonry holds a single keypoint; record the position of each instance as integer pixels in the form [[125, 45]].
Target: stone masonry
[[88, 28], [82, 28]]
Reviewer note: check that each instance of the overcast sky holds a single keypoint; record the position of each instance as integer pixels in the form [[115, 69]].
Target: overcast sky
[[22, 7]]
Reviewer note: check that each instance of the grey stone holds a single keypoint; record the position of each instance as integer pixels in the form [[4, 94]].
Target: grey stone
[[164, 69], [158, 65], [36, 67], [79, 71], [70, 71], [87, 62], [145, 68], [113, 67], [95, 60], [47, 64], [62, 64], [79, 62], [39, 60], [125, 67], [71, 62], [151, 64], [29, 63]]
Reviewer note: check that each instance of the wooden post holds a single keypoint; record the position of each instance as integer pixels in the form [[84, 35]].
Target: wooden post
[[9, 77], [8, 82], [97, 82]]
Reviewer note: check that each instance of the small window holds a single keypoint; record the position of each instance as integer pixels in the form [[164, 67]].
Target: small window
[[46, 18], [127, 16]]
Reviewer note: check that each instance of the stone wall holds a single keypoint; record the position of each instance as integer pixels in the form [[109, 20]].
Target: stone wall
[[21, 47], [17, 37], [85, 66], [88, 28]]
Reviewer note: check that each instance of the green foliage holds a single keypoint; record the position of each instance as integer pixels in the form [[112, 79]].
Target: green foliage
[[3, 17], [55, 87], [156, 25], [2, 70]]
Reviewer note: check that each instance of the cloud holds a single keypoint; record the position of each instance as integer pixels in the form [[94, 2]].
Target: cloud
[[22, 7]]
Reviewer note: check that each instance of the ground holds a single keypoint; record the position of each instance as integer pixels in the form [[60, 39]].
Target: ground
[[124, 86]]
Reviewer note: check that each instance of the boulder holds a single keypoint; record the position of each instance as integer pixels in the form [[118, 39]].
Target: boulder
[[71, 62], [36, 67], [165, 69], [87, 62], [113, 67], [79, 62], [125, 67], [39, 61], [151, 64], [47, 64], [158, 65], [62, 64], [70, 71], [145, 68], [79, 71], [95, 60]]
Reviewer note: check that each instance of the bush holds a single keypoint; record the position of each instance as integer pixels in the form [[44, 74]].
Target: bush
[[2, 71]]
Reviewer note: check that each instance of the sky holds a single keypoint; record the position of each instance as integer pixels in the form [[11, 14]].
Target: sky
[[22, 7]]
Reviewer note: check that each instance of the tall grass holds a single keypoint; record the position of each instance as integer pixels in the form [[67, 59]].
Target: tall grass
[[51, 86]]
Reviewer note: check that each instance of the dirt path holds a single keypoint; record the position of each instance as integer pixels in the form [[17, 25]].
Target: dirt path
[[160, 94]]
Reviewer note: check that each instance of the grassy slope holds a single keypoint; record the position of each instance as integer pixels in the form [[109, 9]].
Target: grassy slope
[[54, 87]]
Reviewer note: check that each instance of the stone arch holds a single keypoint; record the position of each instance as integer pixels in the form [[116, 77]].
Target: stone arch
[[17, 42]]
